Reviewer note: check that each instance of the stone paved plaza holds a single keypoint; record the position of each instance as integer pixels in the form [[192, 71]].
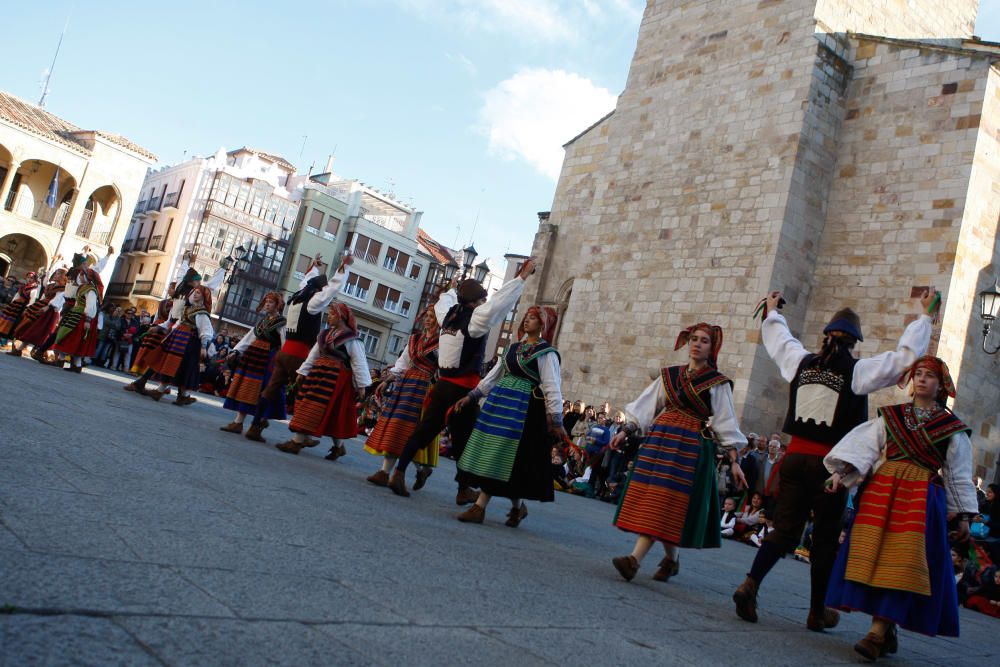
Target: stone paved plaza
[[137, 533]]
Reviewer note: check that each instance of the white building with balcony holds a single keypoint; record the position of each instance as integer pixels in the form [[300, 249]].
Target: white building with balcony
[[61, 188], [236, 205], [388, 274]]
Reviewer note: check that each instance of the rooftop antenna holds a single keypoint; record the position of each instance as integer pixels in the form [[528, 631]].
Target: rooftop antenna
[[48, 72], [302, 150], [478, 211]]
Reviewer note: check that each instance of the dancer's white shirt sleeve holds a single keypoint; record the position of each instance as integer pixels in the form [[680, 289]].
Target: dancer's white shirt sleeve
[[215, 282], [312, 273], [248, 339], [444, 304], [402, 363], [781, 345], [724, 422], [643, 410], [359, 363], [957, 475], [310, 360], [493, 312], [486, 385], [281, 333], [205, 331], [321, 299], [883, 370], [861, 447], [548, 370], [90, 308], [58, 300]]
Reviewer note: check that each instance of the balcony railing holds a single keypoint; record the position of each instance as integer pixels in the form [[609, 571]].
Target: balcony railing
[[390, 306], [365, 257], [239, 313], [55, 217], [256, 224], [170, 201], [101, 238], [86, 222], [140, 244], [355, 291], [127, 245], [154, 205], [119, 290], [260, 274], [207, 253], [140, 208], [157, 243], [148, 288]]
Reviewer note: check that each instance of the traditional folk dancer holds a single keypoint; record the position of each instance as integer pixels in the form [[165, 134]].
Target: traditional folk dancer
[[332, 378], [12, 312], [304, 318], [76, 336], [828, 398], [896, 563], [671, 495], [466, 318], [149, 342], [254, 356], [41, 318], [510, 450], [411, 378], [185, 348]]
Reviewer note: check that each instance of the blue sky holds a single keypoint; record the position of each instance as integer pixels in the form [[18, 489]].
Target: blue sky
[[458, 106]]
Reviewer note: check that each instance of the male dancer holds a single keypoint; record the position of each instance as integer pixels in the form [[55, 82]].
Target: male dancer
[[828, 398], [466, 318], [304, 316]]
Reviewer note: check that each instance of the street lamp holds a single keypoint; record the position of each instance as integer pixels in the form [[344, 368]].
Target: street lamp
[[466, 257], [480, 272], [989, 303]]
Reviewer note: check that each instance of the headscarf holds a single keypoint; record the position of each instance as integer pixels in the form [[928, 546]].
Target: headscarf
[[548, 317], [278, 299], [346, 315], [936, 365], [206, 296], [714, 332]]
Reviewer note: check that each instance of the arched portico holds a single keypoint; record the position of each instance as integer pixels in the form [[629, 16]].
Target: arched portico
[[30, 188], [100, 215], [22, 254]]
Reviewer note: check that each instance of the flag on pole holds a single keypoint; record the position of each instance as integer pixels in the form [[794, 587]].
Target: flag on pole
[[50, 201]]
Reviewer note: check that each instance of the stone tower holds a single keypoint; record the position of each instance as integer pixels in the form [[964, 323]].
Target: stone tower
[[843, 151]]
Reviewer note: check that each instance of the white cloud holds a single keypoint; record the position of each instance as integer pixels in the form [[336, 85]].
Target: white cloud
[[466, 64], [532, 114]]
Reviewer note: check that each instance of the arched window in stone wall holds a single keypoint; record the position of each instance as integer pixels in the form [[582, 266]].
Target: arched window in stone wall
[[562, 306]]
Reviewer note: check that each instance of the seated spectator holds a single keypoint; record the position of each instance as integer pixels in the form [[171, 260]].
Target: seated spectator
[[728, 522], [986, 598], [762, 530], [558, 471], [966, 576], [750, 516]]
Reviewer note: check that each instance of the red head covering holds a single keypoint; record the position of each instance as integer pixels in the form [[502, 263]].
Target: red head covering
[[714, 332], [206, 296], [346, 315], [278, 299], [548, 317], [946, 387]]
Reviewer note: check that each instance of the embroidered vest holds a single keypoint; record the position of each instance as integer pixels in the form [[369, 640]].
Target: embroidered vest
[[269, 330], [821, 405], [523, 363], [923, 444], [455, 332], [691, 392], [335, 345], [303, 326], [423, 353]]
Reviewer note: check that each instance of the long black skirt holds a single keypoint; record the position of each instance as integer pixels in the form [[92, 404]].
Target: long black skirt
[[531, 476]]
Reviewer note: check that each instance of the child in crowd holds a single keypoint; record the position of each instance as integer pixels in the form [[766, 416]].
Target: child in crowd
[[728, 522]]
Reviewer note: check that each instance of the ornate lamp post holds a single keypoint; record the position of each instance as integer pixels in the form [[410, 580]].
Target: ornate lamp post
[[989, 304], [481, 271], [467, 257]]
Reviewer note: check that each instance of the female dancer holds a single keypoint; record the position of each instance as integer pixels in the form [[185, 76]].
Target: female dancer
[[256, 352], [896, 563], [509, 452], [332, 378], [76, 336], [411, 378], [184, 348], [41, 318], [12, 312], [671, 495]]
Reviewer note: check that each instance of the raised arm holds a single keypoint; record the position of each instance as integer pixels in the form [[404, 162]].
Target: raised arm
[[786, 351], [493, 312], [883, 370], [318, 303], [444, 303]]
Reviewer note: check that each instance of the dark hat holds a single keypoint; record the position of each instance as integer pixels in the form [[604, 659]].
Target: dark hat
[[470, 290], [845, 321], [191, 276]]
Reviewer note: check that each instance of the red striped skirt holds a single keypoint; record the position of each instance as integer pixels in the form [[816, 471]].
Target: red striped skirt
[[400, 414], [173, 347], [10, 316], [150, 353], [41, 325], [248, 377], [81, 341], [325, 403]]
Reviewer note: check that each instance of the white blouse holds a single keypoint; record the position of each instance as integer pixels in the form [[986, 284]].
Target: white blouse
[[551, 384]]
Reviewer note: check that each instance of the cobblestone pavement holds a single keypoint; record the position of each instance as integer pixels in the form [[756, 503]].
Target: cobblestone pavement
[[134, 532]]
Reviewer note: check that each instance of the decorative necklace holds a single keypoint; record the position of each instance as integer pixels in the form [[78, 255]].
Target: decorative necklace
[[915, 417], [525, 350]]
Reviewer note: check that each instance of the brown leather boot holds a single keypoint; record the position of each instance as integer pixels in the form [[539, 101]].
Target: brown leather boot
[[290, 447], [466, 496], [253, 433], [871, 646], [667, 568], [232, 428], [397, 484], [516, 515], [745, 598], [822, 619], [423, 472], [310, 442], [474, 514], [381, 478], [627, 566]]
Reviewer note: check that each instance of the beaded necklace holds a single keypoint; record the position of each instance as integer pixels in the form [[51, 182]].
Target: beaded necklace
[[915, 417], [525, 350]]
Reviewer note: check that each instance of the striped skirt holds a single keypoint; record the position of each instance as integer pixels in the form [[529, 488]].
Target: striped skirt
[[400, 414], [252, 373], [74, 337], [325, 403], [41, 325], [150, 352], [671, 495], [31, 313], [181, 359], [896, 562], [493, 445], [10, 316]]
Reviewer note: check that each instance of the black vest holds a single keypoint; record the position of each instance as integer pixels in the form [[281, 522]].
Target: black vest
[[473, 349], [302, 326], [821, 405]]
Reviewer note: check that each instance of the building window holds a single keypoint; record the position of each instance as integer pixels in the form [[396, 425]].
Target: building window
[[395, 344], [332, 227], [387, 298], [301, 267], [357, 286], [369, 338], [395, 260], [415, 270], [315, 222], [141, 267], [405, 308], [366, 249]]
